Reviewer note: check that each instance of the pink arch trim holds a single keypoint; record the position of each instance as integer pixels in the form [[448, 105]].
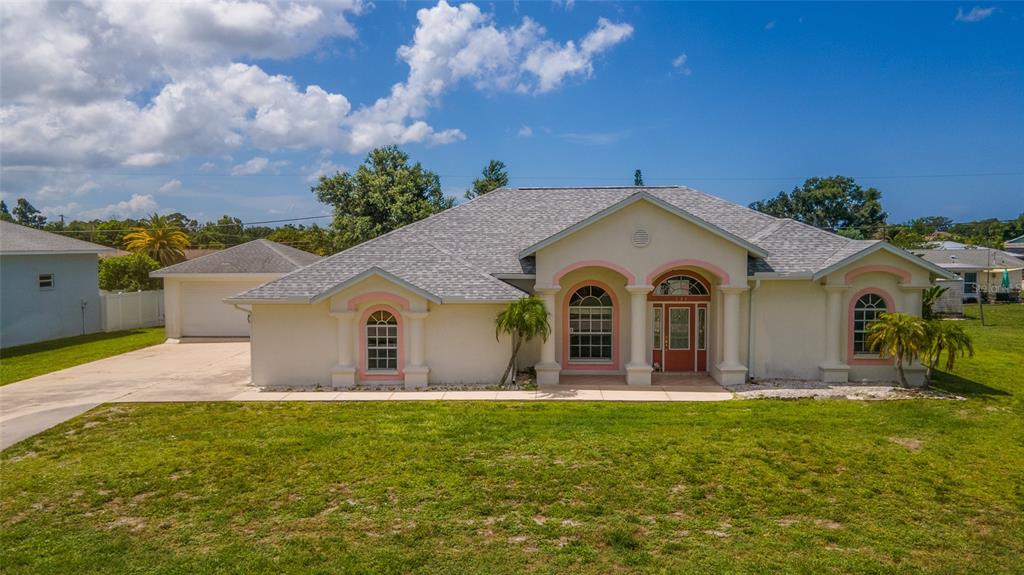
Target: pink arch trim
[[904, 275], [364, 374], [401, 302], [890, 307], [615, 328], [722, 274], [630, 278]]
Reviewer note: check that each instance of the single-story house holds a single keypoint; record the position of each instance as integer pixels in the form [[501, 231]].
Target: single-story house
[[1015, 246], [635, 280], [48, 286], [985, 269], [194, 290]]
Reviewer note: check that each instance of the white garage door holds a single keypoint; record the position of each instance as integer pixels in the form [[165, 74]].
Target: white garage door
[[204, 313]]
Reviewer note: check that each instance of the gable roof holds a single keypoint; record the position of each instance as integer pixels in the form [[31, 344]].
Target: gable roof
[[458, 254], [841, 259], [644, 196], [255, 257], [16, 239], [1016, 240], [971, 259]]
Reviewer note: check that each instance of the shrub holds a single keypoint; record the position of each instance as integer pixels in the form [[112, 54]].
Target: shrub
[[128, 273]]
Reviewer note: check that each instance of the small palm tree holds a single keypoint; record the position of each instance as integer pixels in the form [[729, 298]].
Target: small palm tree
[[928, 299], [158, 238], [523, 319], [898, 335], [949, 337]]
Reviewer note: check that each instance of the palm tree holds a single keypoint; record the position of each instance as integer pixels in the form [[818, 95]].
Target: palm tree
[[523, 319], [928, 299], [900, 336], [159, 239], [949, 337]]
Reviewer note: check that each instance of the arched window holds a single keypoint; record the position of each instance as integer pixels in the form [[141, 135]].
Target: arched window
[[590, 325], [381, 341], [681, 285], [866, 310]]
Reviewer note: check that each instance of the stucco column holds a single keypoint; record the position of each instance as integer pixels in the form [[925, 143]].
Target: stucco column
[[416, 370], [344, 373], [915, 371], [834, 370], [730, 369], [638, 370], [548, 368], [172, 308]]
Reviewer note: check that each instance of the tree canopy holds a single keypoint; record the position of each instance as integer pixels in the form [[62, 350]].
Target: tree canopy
[[158, 238], [638, 178], [493, 176], [384, 194], [836, 204], [128, 273], [27, 215], [5, 214]]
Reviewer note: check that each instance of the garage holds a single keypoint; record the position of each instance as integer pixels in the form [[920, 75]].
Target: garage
[[194, 290]]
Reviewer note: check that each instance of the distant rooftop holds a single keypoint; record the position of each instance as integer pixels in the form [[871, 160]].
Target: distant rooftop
[[257, 256], [22, 240]]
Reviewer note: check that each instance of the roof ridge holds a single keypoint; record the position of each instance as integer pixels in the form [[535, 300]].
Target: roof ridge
[[464, 262], [274, 246]]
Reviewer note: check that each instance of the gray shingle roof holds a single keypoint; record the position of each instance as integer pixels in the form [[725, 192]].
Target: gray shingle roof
[[17, 239], [255, 257], [976, 258], [456, 254]]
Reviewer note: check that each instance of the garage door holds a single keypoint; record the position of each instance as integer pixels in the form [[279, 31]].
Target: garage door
[[204, 313]]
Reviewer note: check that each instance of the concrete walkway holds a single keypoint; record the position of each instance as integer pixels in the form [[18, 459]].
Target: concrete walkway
[[552, 393]]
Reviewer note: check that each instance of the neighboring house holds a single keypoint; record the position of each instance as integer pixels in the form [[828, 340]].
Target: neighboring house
[[985, 269], [48, 286], [635, 280], [1015, 246], [190, 253], [194, 290]]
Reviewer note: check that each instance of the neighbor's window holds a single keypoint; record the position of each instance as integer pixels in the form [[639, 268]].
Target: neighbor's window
[[45, 281], [590, 325], [381, 342], [866, 310], [682, 285]]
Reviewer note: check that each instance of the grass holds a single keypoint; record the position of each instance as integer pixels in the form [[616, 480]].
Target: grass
[[752, 486], [25, 361]]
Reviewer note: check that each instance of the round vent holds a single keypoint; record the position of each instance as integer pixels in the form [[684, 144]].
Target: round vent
[[641, 238]]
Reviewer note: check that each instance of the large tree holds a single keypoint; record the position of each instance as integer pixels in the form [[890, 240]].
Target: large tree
[[5, 214], [493, 176], [384, 194], [836, 204], [158, 238], [27, 215]]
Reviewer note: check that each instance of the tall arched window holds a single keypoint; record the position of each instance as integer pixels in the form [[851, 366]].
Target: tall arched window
[[590, 325], [681, 285], [381, 341], [867, 309]]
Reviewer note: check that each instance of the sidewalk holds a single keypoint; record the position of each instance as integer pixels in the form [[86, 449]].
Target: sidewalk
[[551, 393]]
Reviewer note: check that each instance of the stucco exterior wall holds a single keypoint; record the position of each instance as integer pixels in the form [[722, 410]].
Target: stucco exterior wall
[[29, 314], [293, 345], [617, 284], [461, 347], [789, 329], [194, 306]]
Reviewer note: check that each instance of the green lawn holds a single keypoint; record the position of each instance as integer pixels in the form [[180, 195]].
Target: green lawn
[[25, 361], [762, 486]]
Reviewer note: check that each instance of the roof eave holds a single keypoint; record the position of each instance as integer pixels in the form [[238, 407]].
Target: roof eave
[[378, 272], [881, 245]]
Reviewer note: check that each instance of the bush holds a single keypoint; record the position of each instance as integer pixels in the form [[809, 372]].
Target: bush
[[128, 273]]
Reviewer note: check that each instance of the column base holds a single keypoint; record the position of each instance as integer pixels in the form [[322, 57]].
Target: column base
[[638, 374], [916, 374], [547, 373], [834, 372], [731, 374], [416, 376], [343, 377]]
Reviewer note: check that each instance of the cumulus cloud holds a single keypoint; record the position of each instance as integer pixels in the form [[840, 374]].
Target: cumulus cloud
[[253, 166], [525, 132], [171, 187], [977, 14], [679, 63], [137, 205], [141, 84]]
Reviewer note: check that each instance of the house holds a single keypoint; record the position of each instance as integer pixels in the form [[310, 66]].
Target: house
[[1015, 246], [635, 279], [48, 286], [190, 253], [194, 290], [986, 269]]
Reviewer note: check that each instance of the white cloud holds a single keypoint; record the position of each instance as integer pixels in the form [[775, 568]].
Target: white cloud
[[51, 192], [525, 132], [171, 187], [207, 166], [679, 63], [770, 25], [55, 212], [77, 78], [253, 166], [977, 14], [137, 205]]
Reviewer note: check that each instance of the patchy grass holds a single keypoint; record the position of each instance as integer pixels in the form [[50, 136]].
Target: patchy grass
[[25, 361], [763, 486]]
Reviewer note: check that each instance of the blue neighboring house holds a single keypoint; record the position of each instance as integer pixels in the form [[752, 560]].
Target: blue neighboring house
[[48, 286]]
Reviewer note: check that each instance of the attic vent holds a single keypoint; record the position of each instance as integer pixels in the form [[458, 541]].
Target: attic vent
[[641, 238]]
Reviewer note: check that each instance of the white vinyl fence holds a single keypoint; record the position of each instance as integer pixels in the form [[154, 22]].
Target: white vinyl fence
[[129, 310], [951, 302]]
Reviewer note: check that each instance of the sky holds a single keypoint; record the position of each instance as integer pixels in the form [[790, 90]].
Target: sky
[[122, 109]]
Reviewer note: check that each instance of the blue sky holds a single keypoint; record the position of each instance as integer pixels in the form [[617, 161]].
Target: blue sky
[[738, 100]]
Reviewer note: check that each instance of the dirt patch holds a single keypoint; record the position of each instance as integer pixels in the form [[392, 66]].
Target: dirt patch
[[802, 389], [908, 442], [828, 524], [133, 524]]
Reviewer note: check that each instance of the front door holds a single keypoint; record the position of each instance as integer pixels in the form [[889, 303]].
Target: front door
[[685, 329]]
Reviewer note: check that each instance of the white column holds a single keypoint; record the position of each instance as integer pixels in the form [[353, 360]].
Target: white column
[[172, 308], [548, 368], [344, 373], [915, 371], [638, 370], [730, 369], [416, 370], [834, 370]]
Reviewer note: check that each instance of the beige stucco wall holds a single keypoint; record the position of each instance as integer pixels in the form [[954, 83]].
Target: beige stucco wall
[[293, 345], [617, 283], [461, 345], [193, 304], [789, 329]]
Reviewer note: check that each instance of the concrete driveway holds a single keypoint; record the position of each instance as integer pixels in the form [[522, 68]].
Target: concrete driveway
[[187, 371]]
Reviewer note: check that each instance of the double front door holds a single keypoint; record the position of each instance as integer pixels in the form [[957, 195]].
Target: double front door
[[681, 344]]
